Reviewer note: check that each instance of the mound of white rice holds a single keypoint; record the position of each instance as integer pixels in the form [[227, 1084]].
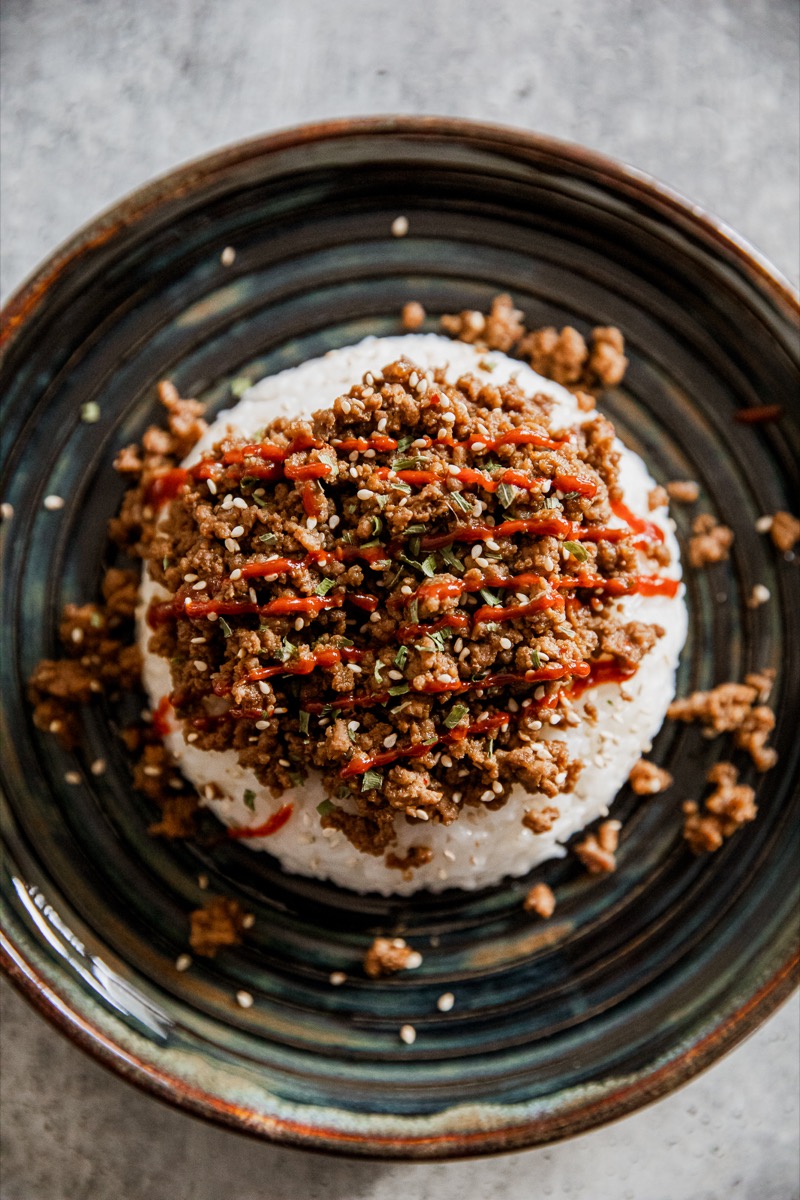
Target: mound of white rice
[[481, 846]]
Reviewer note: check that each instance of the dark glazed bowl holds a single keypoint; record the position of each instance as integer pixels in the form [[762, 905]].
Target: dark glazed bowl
[[641, 979]]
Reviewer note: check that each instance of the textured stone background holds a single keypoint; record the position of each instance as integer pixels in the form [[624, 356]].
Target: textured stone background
[[99, 95]]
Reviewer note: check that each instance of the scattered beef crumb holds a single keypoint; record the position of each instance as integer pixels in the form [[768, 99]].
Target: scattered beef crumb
[[541, 820], [732, 708], [178, 815], [504, 325], [585, 401], [685, 491], [657, 497], [387, 956], [608, 835], [558, 356], [762, 681], [646, 779], [710, 542], [594, 856], [540, 900], [729, 806], [784, 531], [412, 315], [218, 923], [416, 856], [607, 362]]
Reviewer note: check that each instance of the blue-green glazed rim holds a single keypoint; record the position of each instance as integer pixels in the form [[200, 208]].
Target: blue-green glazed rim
[[640, 979]]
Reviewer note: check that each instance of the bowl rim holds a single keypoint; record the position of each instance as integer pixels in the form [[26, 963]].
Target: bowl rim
[[22, 306]]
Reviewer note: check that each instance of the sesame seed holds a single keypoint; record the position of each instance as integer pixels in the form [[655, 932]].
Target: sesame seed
[[227, 502], [299, 624], [98, 767], [6, 510], [491, 544], [263, 687], [497, 787], [382, 425], [446, 760], [262, 725], [195, 641], [311, 522], [199, 665], [445, 1002], [198, 587], [369, 454], [189, 578], [345, 406], [353, 473], [477, 550], [453, 469], [408, 1034], [449, 418], [52, 503], [238, 502], [763, 524], [244, 999], [192, 737], [355, 667], [230, 545], [390, 741], [400, 227], [183, 962], [73, 777], [405, 590], [367, 392], [333, 521], [487, 796], [77, 635], [248, 921], [759, 595], [212, 487], [364, 494], [252, 594], [336, 978], [228, 256], [506, 643], [478, 447], [512, 705], [237, 531], [236, 574], [422, 387]]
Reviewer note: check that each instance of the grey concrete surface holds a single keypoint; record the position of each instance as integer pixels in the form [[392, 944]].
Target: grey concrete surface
[[98, 95]]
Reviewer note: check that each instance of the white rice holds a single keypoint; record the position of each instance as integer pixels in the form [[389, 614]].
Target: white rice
[[481, 847]]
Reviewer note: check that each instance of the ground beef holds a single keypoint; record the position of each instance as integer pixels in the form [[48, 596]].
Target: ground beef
[[785, 531], [733, 708], [646, 779], [412, 316], [684, 491], [220, 922], [541, 820], [710, 542], [540, 900], [657, 497], [729, 806], [387, 956], [596, 851]]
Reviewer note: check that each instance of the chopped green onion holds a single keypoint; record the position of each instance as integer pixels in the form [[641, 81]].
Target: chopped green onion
[[296, 778], [381, 500], [399, 486], [450, 560], [460, 502], [413, 611], [401, 656], [250, 799], [376, 671], [259, 500], [489, 597], [506, 494], [164, 563], [239, 385], [415, 529], [324, 586], [325, 808], [490, 749], [225, 627], [576, 550], [428, 566], [303, 720], [399, 689], [372, 779], [405, 441], [571, 496], [268, 538], [537, 662], [414, 546], [454, 716], [377, 524]]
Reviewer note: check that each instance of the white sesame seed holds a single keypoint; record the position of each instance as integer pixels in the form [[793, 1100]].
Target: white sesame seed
[[487, 796], [523, 599], [263, 687], [299, 624], [477, 550], [449, 418], [345, 406], [336, 978], [195, 641], [390, 741], [77, 635], [759, 595], [252, 594], [353, 473], [491, 544], [6, 510], [262, 725], [230, 545], [198, 587], [506, 643], [478, 447], [355, 667], [555, 719], [453, 469], [238, 502], [183, 962], [382, 425], [512, 705], [446, 760], [400, 227], [52, 503], [237, 531], [189, 578], [98, 767], [244, 999], [192, 737], [408, 1034], [422, 387], [497, 787], [364, 494], [212, 487], [199, 665], [763, 524], [236, 573], [539, 693], [73, 777], [228, 256], [445, 1002]]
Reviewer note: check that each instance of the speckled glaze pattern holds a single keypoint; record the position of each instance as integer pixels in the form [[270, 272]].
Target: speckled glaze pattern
[[640, 979]]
